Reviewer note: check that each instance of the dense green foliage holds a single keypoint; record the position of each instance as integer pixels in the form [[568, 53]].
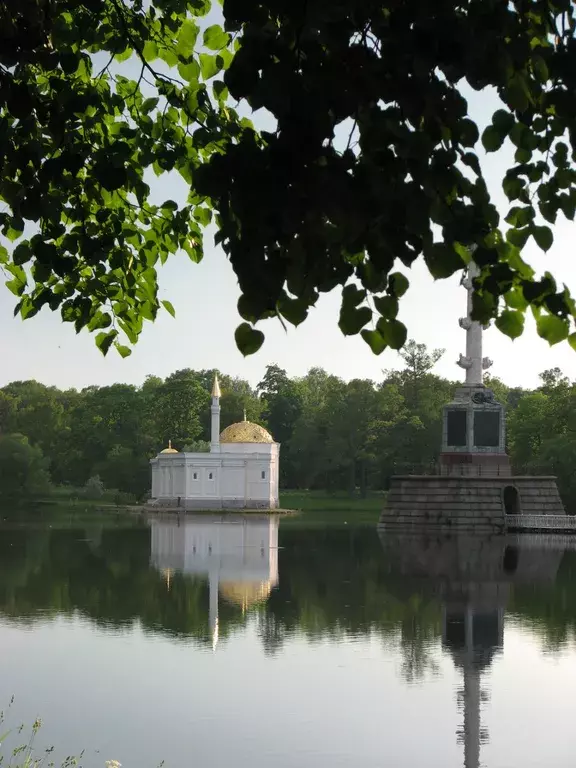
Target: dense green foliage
[[23, 469], [370, 154], [335, 435]]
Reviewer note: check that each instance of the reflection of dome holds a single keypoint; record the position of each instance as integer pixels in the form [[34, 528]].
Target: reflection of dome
[[169, 449], [245, 594], [245, 432]]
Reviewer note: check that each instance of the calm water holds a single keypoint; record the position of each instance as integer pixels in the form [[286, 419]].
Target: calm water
[[258, 644]]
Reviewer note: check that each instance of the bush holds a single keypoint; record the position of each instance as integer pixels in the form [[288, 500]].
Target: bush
[[94, 488]]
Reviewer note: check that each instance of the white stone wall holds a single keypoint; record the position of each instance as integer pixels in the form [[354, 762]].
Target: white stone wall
[[246, 473]]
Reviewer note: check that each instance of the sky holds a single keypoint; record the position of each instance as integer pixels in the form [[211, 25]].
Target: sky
[[205, 296]]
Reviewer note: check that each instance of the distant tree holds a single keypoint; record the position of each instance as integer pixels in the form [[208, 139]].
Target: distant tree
[[23, 470], [197, 446], [283, 399], [418, 359], [178, 407], [124, 470]]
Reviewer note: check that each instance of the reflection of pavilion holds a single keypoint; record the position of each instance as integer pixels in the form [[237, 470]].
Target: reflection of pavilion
[[472, 577], [238, 555]]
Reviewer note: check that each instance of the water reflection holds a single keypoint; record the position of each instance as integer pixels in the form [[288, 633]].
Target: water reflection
[[472, 577], [378, 622], [238, 556]]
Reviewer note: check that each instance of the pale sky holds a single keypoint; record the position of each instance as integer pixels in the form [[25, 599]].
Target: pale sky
[[205, 296]]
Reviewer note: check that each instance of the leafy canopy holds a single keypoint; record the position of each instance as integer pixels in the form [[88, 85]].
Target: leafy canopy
[[372, 159]]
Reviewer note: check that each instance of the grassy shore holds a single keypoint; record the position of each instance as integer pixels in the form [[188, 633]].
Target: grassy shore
[[304, 507], [318, 507]]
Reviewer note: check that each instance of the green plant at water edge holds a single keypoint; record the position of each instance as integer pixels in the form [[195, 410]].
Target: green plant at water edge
[[24, 754]]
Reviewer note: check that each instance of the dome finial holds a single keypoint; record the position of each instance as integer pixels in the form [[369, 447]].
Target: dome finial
[[216, 387]]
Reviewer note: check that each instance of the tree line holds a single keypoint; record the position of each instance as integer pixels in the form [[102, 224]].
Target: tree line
[[336, 435]]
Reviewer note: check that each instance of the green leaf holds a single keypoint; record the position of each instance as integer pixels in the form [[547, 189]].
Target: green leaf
[[398, 284], [468, 132], [209, 65], [150, 51], [515, 299], [503, 121], [294, 310], [572, 341], [149, 104], [13, 234], [387, 306], [215, 38], [393, 332], [374, 340], [510, 322], [523, 155], [190, 71], [517, 94], [187, 36], [3, 255], [540, 69], [492, 139], [352, 296], [248, 339], [124, 351], [22, 254], [104, 340], [520, 217], [352, 319], [551, 328], [512, 187], [518, 237], [442, 260], [125, 55], [169, 307], [543, 236]]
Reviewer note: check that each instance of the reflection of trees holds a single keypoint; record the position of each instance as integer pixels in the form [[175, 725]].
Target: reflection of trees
[[333, 583]]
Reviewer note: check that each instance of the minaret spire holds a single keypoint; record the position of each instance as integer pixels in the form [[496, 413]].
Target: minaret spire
[[215, 412], [473, 362]]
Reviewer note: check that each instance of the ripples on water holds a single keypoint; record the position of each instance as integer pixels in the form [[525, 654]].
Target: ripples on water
[[252, 643]]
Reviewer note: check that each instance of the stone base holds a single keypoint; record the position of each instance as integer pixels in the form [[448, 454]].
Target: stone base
[[469, 502], [497, 464], [208, 504]]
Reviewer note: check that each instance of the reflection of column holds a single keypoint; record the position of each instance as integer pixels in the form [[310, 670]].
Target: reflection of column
[[213, 608], [472, 733]]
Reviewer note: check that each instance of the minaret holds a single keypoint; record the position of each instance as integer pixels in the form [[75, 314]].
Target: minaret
[[473, 362], [215, 411]]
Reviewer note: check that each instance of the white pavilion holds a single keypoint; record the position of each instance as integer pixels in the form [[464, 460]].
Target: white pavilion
[[240, 471]]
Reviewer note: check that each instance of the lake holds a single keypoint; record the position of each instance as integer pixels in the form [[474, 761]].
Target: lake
[[258, 643]]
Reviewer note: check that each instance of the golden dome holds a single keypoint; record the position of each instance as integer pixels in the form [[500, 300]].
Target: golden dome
[[169, 449], [245, 594], [245, 432]]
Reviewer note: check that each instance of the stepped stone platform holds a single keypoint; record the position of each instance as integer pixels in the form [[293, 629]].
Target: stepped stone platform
[[488, 503]]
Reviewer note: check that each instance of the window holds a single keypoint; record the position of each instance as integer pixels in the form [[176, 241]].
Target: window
[[263, 475], [210, 476], [195, 475]]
